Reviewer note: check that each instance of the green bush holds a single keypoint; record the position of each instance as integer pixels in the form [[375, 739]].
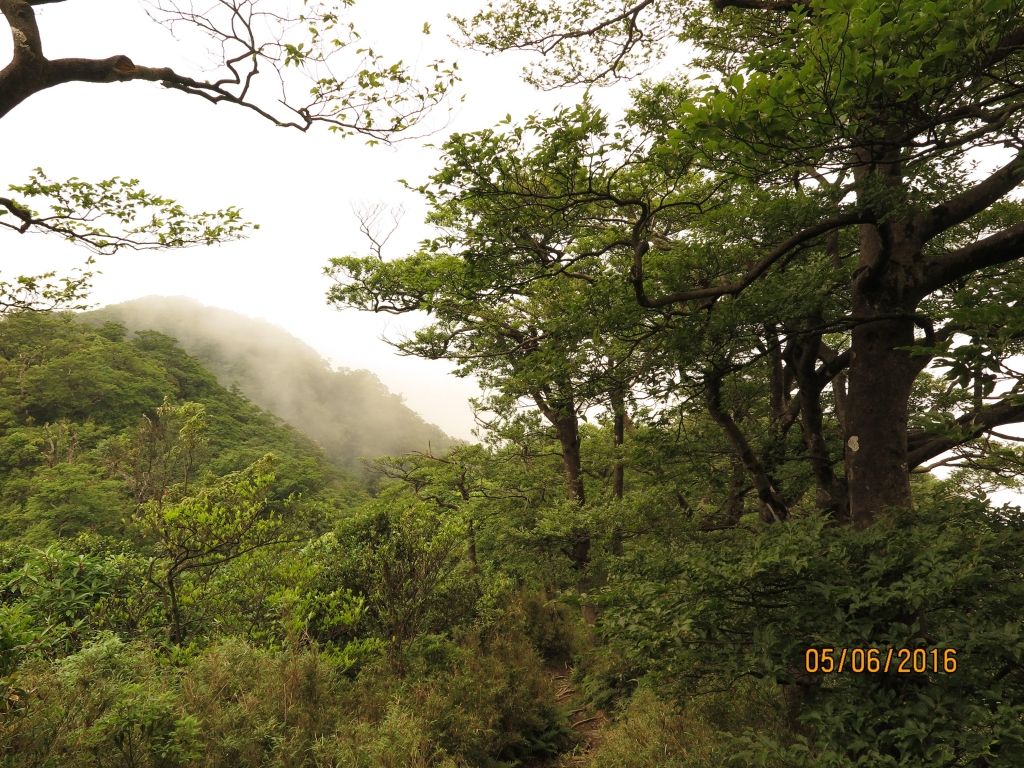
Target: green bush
[[483, 701], [552, 627], [107, 705], [650, 732], [748, 602]]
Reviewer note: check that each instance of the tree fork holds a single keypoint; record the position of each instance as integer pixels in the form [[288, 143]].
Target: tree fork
[[766, 491]]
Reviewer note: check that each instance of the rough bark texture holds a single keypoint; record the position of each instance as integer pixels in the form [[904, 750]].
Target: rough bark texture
[[30, 72], [876, 419]]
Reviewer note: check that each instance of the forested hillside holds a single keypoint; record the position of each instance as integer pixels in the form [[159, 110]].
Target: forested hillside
[[185, 580], [90, 424], [349, 412], [751, 359]]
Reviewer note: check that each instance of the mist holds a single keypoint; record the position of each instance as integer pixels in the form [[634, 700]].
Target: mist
[[349, 412]]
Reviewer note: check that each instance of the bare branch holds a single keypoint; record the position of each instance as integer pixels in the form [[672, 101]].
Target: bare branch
[[370, 97], [372, 226]]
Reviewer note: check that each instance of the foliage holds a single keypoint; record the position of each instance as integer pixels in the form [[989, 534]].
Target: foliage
[[724, 337], [91, 429], [236, 705], [750, 603], [195, 535], [75, 206], [653, 732]]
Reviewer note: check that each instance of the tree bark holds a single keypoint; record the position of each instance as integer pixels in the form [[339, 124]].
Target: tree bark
[[875, 435], [831, 494], [30, 72], [561, 413]]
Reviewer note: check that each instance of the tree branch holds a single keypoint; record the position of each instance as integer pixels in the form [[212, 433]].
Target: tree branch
[[636, 275], [762, 483], [374, 99], [973, 201], [943, 269], [923, 446]]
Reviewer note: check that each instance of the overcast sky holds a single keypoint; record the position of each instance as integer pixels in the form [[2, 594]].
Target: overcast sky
[[298, 187]]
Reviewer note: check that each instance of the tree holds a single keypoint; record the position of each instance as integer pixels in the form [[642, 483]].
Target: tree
[[875, 109], [200, 533], [540, 223], [409, 558], [539, 342], [162, 452]]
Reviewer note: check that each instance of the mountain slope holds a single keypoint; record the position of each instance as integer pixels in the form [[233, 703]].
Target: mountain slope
[[350, 413], [84, 439]]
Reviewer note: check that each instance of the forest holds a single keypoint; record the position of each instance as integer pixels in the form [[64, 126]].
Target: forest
[[745, 484]]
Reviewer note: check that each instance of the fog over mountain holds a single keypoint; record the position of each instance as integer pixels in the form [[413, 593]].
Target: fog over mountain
[[349, 412]]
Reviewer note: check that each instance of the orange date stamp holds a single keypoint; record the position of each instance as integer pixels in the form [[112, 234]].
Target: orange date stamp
[[903, 661]]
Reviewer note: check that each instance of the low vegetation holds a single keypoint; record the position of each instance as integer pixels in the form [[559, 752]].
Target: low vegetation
[[185, 581]]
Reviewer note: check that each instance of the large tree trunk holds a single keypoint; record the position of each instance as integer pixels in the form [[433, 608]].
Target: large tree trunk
[[876, 412], [881, 374]]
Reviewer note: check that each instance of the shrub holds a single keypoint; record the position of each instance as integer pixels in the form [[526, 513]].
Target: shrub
[[749, 602], [482, 701], [107, 705], [653, 733]]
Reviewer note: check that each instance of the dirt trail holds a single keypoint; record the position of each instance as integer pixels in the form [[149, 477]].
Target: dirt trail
[[587, 723]]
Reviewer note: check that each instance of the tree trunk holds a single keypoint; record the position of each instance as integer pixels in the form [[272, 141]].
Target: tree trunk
[[875, 433], [173, 610], [474, 567], [831, 493], [880, 374], [567, 428], [619, 469], [562, 414], [619, 430]]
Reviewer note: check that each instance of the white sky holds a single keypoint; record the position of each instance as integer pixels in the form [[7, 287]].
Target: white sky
[[298, 187]]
